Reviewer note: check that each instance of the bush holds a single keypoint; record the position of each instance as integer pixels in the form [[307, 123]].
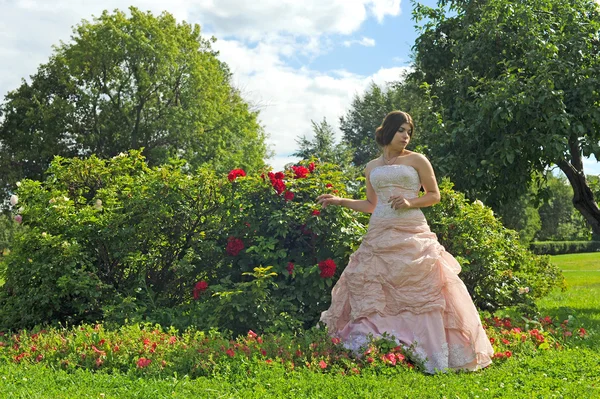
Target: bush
[[108, 238], [117, 241], [564, 247], [497, 268]]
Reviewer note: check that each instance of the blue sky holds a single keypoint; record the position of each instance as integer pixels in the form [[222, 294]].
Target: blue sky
[[294, 61]]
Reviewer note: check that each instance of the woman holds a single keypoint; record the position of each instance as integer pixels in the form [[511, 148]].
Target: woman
[[401, 280]]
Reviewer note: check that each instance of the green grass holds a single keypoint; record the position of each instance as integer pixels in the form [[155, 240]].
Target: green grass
[[571, 373]]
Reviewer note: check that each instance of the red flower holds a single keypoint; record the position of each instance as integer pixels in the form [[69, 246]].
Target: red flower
[[252, 334], [508, 353], [234, 246], [98, 351], [582, 332], [311, 167], [316, 212], [300, 172], [279, 186], [329, 185], [230, 352], [279, 176], [327, 268], [143, 362], [322, 364], [290, 268], [235, 173], [288, 195], [199, 288]]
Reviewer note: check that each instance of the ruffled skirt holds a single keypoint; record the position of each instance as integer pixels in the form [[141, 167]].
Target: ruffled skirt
[[401, 281]]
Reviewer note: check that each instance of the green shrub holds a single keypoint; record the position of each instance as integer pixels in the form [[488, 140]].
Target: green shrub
[[108, 238], [117, 241], [497, 268], [564, 247]]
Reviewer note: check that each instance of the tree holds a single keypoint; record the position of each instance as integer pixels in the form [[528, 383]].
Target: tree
[[514, 85], [559, 220], [323, 146], [367, 112], [129, 83]]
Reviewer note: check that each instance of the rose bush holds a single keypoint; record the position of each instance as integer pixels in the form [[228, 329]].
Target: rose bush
[[118, 241]]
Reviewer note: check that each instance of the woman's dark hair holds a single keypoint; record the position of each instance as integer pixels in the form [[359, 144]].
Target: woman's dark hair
[[390, 125]]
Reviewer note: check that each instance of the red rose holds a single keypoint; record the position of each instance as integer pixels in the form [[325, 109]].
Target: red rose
[[329, 185], [288, 195], [279, 175], [290, 268], [199, 288], [235, 173], [300, 172], [327, 268], [311, 167], [279, 186], [234, 246], [316, 212]]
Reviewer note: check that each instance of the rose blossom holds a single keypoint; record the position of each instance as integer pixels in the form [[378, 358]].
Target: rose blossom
[[327, 268], [235, 173], [199, 288], [300, 172], [14, 200], [290, 268], [18, 218], [288, 195], [234, 246]]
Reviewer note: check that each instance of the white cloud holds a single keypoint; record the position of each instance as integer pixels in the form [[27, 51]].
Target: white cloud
[[290, 98], [365, 41], [257, 40]]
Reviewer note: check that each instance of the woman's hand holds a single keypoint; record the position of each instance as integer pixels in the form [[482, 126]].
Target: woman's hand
[[399, 202], [328, 199]]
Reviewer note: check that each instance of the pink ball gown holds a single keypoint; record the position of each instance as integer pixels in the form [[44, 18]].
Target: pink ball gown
[[403, 282]]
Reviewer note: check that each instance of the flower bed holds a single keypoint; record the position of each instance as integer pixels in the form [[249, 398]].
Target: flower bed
[[151, 350]]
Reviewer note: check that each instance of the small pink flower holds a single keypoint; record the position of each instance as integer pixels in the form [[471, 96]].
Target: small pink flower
[[18, 218], [322, 364], [143, 362], [252, 334]]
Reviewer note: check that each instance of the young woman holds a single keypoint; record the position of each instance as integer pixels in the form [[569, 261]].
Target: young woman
[[401, 281]]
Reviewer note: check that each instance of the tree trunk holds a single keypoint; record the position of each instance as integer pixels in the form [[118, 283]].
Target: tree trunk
[[583, 198]]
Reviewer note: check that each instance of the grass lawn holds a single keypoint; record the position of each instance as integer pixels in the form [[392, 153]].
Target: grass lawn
[[571, 373]]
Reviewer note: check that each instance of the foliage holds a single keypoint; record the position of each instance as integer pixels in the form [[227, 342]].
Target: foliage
[[496, 268], [366, 113], [323, 148], [564, 247], [123, 83], [514, 87], [118, 241], [147, 350], [522, 215], [106, 236], [560, 221]]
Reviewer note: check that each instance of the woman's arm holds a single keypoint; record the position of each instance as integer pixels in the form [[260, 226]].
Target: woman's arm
[[429, 183], [366, 206]]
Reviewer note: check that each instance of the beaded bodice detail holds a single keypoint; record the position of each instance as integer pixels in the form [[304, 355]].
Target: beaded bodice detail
[[390, 180]]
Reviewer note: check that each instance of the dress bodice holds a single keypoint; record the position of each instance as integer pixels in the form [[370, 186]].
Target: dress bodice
[[390, 180]]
